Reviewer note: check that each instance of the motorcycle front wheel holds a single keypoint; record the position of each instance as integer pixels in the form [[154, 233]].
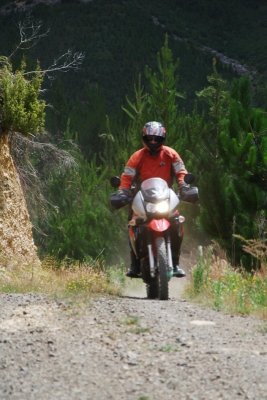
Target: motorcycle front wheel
[[162, 261], [152, 289]]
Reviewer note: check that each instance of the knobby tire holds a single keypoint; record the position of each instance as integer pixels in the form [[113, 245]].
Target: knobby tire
[[162, 259], [152, 289]]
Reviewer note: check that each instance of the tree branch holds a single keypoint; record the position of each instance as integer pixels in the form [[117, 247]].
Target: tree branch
[[64, 63], [30, 34]]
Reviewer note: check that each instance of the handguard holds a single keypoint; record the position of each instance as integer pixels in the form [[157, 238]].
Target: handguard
[[189, 194], [120, 199]]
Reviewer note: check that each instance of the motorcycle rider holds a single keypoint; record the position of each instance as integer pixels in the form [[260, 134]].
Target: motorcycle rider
[[154, 160]]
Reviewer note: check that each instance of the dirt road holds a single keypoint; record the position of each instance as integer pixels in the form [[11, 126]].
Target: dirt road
[[128, 348]]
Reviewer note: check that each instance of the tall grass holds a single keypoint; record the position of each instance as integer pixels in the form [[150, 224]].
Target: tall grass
[[62, 279], [216, 283]]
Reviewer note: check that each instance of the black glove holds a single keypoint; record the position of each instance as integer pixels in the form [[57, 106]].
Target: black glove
[[120, 198], [189, 193], [124, 192], [183, 190]]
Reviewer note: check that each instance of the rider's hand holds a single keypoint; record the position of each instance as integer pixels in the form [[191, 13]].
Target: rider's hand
[[120, 199], [189, 193], [125, 193], [183, 190]]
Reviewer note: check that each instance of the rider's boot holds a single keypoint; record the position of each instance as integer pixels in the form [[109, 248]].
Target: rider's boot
[[177, 270], [134, 270]]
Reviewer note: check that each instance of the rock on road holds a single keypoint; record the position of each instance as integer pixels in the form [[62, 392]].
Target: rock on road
[[128, 348]]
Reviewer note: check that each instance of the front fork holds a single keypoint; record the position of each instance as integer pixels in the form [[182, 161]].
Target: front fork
[[151, 257], [149, 238]]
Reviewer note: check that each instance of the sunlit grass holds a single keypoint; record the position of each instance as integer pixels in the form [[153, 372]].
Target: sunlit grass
[[216, 283], [61, 279]]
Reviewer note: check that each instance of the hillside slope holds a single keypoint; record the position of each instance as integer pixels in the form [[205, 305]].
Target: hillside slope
[[120, 37]]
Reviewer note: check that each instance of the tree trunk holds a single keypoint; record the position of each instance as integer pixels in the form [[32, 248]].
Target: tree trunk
[[16, 240]]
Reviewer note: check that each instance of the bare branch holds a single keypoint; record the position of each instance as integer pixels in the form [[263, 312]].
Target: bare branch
[[64, 63], [30, 34]]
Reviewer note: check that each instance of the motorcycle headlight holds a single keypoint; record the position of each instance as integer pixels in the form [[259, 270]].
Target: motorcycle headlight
[[160, 208]]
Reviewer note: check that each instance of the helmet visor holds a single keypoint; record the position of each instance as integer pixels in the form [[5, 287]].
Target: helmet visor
[[151, 138]]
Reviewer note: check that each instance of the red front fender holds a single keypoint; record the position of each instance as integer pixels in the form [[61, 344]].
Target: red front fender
[[159, 225]]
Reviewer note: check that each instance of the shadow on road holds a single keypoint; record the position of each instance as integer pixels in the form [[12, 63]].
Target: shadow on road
[[136, 289]]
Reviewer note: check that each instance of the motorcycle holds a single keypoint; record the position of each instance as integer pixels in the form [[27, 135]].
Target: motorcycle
[[154, 213]]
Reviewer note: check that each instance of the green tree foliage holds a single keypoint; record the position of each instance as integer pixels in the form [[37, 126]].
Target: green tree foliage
[[21, 108], [86, 116], [138, 114], [162, 85], [81, 224], [158, 100], [230, 155], [224, 145]]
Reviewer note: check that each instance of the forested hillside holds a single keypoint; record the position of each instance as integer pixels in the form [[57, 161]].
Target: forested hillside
[[198, 66], [119, 38]]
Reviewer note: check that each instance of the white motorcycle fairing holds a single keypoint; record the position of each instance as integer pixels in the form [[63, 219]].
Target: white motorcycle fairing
[[154, 197]]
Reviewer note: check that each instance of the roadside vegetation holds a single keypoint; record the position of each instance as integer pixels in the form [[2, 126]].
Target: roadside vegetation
[[216, 283], [62, 279]]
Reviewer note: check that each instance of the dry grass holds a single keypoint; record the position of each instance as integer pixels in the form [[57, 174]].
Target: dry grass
[[257, 249], [59, 279]]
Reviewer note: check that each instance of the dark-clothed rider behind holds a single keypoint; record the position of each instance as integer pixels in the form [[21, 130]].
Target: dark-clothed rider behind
[[154, 160]]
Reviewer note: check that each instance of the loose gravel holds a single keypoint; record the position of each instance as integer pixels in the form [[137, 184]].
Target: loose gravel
[[128, 348]]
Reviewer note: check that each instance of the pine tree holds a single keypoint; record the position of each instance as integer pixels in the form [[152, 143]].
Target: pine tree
[[163, 93], [230, 157]]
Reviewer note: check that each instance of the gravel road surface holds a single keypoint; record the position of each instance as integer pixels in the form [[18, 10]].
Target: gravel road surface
[[128, 348]]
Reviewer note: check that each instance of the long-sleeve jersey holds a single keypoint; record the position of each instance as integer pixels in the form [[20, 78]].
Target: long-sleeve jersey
[[142, 165]]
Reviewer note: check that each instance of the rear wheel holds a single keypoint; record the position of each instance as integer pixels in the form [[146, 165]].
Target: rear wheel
[[162, 259]]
